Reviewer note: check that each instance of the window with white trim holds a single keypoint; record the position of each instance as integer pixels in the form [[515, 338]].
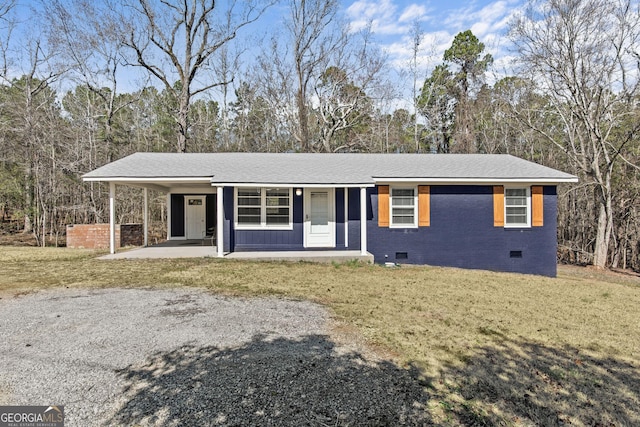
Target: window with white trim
[[517, 207], [248, 205], [259, 207], [403, 203]]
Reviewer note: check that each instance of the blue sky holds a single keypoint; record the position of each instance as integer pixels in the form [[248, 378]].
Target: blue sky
[[440, 20], [392, 21]]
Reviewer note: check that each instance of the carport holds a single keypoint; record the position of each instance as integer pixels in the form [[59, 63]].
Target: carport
[[187, 186]]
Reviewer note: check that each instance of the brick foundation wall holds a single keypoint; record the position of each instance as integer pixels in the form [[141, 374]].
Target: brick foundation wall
[[96, 236]]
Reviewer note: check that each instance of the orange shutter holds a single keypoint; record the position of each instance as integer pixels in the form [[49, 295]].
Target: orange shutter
[[498, 206], [424, 208], [383, 206], [537, 208]]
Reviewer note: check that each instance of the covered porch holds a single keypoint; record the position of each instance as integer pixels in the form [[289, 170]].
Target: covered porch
[[250, 206], [198, 225], [215, 232]]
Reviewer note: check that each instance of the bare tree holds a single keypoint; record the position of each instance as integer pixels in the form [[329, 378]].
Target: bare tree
[[391, 128], [344, 94], [584, 56], [87, 33], [174, 43], [226, 64], [31, 113], [7, 25], [417, 34], [273, 78], [313, 40]]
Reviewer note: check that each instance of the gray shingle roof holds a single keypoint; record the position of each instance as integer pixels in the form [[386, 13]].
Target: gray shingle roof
[[326, 169]]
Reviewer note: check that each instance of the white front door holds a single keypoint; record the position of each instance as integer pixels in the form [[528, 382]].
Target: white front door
[[195, 217], [319, 224]]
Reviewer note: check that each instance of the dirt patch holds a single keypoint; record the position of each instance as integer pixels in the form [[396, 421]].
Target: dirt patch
[[17, 239], [606, 275]]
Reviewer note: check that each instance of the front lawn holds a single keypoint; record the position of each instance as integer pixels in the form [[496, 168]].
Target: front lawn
[[490, 348]]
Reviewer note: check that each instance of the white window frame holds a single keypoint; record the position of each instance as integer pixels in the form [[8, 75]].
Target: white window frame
[[528, 197], [415, 206], [263, 210]]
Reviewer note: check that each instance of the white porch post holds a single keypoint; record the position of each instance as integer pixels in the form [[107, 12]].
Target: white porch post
[[363, 220], [220, 221], [112, 217], [168, 216], [346, 217], [145, 218]]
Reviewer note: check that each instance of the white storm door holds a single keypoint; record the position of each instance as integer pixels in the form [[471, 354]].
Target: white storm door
[[195, 217], [319, 224]]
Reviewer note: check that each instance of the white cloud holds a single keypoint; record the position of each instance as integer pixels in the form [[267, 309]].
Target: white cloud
[[391, 21], [383, 16], [430, 51], [480, 28], [413, 12], [487, 21], [492, 17], [365, 12]]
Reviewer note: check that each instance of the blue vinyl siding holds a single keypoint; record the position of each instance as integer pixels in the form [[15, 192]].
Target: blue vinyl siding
[[462, 235]]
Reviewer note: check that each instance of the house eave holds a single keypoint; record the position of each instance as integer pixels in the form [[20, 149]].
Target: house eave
[[293, 184], [476, 181], [181, 179]]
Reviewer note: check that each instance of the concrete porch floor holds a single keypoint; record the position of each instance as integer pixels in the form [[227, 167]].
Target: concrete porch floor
[[200, 249]]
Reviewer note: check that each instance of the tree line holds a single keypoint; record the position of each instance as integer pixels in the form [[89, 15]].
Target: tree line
[[312, 84]]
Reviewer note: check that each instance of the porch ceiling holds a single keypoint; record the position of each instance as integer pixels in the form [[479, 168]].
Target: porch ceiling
[[164, 185]]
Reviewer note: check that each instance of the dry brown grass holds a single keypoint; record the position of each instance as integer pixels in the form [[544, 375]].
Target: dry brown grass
[[492, 348]]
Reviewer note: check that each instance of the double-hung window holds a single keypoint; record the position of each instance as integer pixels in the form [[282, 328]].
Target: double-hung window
[[517, 207], [403, 204], [249, 209], [259, 207], [277, 206]]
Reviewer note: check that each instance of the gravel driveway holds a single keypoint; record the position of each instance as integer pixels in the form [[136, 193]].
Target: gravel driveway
[[154, 357]]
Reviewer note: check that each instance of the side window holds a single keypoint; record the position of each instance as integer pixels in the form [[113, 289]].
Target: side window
[[403, 206], [517, 207]]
